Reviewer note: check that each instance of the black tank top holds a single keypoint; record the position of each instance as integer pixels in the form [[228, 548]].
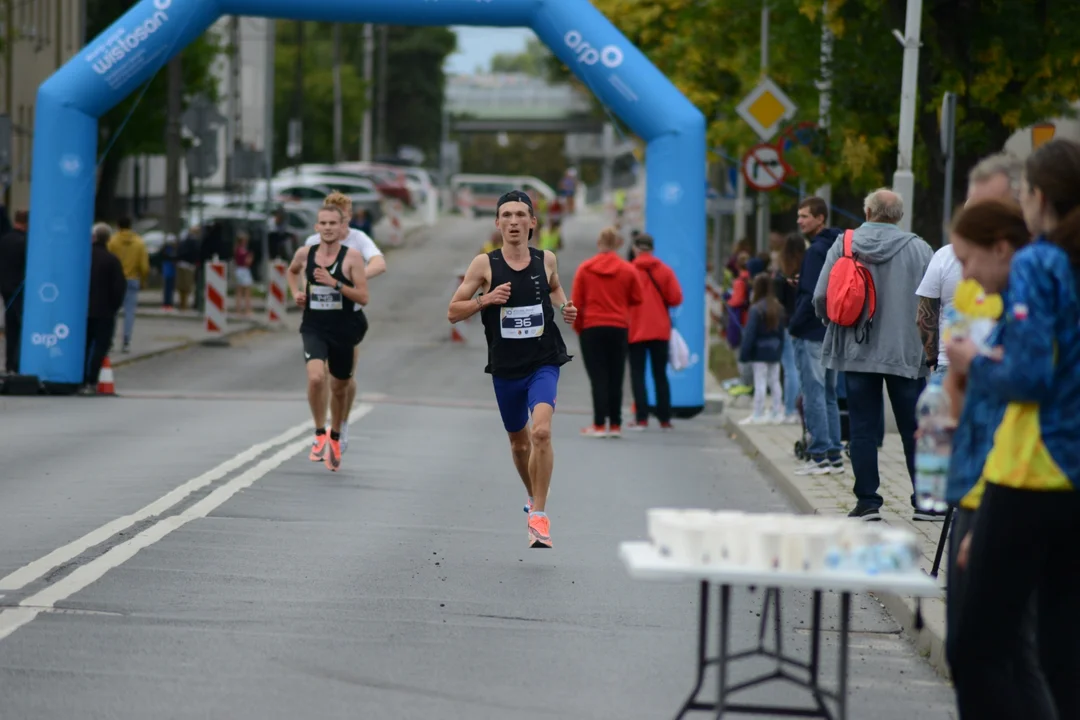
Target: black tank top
[[522, 335], [328, 312]]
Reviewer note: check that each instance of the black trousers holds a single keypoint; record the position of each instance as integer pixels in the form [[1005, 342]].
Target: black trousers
[[604, 351], [1023, 543], [1027, 672], [12, 332], [657, 353], [99, 338]]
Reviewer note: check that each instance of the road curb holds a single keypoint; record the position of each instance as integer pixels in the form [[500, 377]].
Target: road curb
[[180, 346], [929, 641]]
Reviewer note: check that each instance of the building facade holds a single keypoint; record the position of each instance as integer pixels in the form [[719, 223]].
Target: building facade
[[37, 37], [242, 101]]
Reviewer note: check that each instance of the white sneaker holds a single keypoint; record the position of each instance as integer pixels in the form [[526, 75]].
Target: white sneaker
[[754, 420], [792, 419], [813, 467], [344, 437]]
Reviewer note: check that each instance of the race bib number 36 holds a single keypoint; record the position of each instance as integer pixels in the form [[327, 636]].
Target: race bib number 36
[[324, 298], [522, 322]]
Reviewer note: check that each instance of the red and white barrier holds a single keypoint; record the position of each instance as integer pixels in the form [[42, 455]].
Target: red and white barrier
[[394, 210], [217, 294], [276, 294]]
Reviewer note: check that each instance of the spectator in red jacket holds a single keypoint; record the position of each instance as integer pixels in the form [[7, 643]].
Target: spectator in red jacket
[[605, 288], [650, 331]]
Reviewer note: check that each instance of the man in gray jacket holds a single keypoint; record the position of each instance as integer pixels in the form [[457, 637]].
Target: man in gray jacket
[[891, 353]]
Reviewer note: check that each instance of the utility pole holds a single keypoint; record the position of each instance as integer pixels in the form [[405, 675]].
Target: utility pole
[[173, 147], [232, 129], [904, 178], [825, 97], [298, 94], [948, 147], [338, 153], [762, 197], [380, 142], [268, 132], [369, 78]]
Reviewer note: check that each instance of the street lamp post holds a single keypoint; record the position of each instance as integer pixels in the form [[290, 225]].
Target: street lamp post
[[904, 178]]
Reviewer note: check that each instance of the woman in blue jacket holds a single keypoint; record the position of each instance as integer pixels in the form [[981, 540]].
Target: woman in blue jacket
[[1024, 538]]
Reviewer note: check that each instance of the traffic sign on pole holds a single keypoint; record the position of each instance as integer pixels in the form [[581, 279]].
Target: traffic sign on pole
[[764, 167], [765, 109]]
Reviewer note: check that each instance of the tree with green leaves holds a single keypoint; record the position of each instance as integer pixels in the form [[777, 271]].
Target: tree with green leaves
[[136, 126], [414, 92], [1011, 64]]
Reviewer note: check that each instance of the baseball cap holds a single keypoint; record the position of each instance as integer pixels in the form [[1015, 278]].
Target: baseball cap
[[514, 196]]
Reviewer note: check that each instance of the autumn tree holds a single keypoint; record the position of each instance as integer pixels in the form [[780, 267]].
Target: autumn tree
[[1011, 64]]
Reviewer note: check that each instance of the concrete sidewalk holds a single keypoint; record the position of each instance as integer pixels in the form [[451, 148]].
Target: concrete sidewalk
[[772, 447], [158, 335]]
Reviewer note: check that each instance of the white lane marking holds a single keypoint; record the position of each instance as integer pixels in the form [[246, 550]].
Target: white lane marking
[[12, 619], [39, 568]]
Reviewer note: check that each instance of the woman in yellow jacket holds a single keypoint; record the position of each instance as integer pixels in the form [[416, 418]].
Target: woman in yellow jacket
[[1025, 534]]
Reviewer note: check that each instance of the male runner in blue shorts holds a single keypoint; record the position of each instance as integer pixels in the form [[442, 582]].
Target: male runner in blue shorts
[[520, 289]]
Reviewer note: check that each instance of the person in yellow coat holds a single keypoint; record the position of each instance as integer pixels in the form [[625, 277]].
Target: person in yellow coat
[[129, 247]]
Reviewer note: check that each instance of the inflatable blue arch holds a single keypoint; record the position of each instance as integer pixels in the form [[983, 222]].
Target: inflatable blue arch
[[136, 46]]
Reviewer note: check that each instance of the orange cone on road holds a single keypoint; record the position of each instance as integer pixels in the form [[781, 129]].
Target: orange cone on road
[[455, 335], [105, 384]]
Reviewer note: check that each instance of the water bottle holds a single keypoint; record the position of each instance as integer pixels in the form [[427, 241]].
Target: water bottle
[[933, 448]]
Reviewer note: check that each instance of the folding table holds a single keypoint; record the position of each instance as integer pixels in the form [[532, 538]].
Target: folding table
[[644, 562]]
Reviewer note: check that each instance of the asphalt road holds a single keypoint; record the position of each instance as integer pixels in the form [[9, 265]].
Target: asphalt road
[[171, 553]]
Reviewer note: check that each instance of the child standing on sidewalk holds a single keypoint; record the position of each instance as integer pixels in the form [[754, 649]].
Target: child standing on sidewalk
[[763, 347]]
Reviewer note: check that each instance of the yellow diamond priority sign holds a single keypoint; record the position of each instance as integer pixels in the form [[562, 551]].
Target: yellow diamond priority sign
[[765, 109]]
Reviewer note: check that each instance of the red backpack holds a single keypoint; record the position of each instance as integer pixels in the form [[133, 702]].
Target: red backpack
[[851, 298]]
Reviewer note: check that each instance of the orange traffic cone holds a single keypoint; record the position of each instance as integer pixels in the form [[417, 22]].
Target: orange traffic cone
[[455, 335], [105, 384]]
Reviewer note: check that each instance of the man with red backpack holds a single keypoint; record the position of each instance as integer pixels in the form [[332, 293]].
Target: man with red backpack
[[866, 297]]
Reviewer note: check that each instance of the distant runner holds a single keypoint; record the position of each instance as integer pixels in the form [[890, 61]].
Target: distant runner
[[330, 328], [520, 289], [376, 265]]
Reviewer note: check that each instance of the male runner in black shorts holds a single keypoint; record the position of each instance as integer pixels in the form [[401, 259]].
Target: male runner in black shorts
[[330, 329], [521, 288]]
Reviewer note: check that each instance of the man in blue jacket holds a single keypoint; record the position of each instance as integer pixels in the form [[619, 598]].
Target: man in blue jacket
[[807, 335]]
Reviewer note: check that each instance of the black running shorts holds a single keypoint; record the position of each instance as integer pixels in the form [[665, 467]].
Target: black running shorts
[[339, 358]]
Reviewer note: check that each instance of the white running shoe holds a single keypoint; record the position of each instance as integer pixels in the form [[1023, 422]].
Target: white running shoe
[[344, 437], [755, 420], [814, 467]]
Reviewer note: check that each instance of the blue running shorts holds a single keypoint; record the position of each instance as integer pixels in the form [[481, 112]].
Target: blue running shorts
[[519, 396]]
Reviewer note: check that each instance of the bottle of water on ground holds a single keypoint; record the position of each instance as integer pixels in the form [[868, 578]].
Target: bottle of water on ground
[[933, 448]]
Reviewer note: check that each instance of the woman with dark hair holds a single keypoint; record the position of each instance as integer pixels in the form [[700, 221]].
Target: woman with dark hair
[[985, 236], [1023, 541], [786, 287]]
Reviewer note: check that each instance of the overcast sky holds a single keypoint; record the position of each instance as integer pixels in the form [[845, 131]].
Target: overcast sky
[[476, 46]]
